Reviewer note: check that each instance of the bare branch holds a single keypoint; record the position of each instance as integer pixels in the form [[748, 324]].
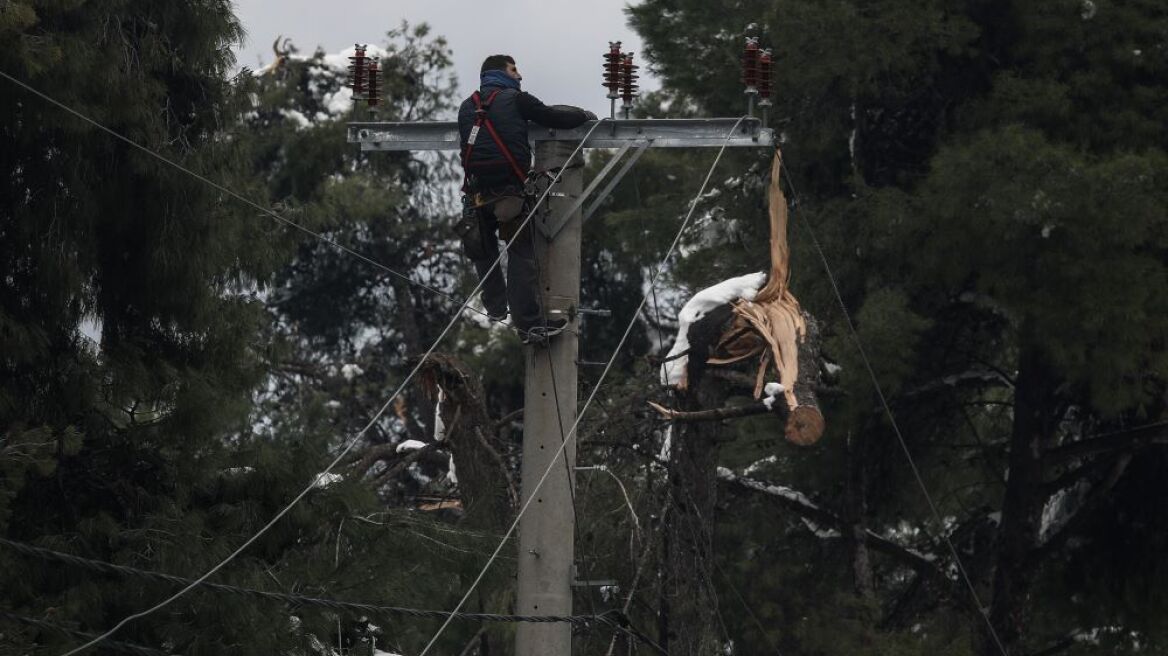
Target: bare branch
[[800, 505], [1062, 644], [502, 464], [972, 379], [405, 461], [364, 460], [508, 418], [718, 414], [1134, 438], [1076, 474]]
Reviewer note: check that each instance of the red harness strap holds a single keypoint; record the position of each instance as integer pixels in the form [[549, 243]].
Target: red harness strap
[[481, 120]]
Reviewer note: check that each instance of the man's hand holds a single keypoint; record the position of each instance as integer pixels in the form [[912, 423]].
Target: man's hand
[[590, 115]]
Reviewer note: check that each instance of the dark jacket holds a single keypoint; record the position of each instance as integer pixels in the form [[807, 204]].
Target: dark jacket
[[509, 113]]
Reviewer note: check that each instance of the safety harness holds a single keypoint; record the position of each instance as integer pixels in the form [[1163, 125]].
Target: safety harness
[[481, 121]]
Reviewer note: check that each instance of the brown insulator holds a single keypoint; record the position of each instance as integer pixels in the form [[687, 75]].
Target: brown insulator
[[764, 77], [358, 70], [373, 83], [612, 69], [750, 64], [628, 79]]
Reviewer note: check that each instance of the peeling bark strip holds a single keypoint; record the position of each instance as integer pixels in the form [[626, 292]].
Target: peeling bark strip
[[772, 327]]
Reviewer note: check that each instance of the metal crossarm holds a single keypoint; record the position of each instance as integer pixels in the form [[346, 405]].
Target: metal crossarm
[[662, 132]]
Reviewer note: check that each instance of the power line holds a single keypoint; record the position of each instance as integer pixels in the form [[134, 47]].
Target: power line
[[613, 619], [247, 201], [892, 419], [580, 621], [608, 367], [355, 439]]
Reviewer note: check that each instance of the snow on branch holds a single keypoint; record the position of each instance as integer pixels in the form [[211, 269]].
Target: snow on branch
[[830, 525]]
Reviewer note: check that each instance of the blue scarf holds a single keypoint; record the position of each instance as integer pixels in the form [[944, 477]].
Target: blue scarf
[[497, 78]]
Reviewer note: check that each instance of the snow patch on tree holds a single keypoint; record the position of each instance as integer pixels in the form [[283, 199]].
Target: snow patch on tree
[[666, 445], [740, 288], [772, 391], [451, 474], [439, 425], [296, 117], [326, 479], [410, 445]]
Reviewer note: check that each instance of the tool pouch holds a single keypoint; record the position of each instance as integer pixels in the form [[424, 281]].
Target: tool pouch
[[469, 231], [509, 211]]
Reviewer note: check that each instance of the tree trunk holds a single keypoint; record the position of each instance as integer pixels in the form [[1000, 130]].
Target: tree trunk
[[485, 483], [417, 420], [692, 484], [856, 510], [1022, 506]]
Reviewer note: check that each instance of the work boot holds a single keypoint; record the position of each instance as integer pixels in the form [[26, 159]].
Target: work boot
[[542, 333]]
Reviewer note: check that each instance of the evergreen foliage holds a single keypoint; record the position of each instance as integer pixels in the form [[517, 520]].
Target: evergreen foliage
[[986, 180], [149, 325]]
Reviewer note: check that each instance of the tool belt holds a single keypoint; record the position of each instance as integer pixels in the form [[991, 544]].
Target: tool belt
[[508, 206]]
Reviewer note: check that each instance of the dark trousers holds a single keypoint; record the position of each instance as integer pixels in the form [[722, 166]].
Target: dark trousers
[[520, 290]]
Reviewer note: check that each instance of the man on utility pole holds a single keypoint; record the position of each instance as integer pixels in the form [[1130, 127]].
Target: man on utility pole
[[496, 160]]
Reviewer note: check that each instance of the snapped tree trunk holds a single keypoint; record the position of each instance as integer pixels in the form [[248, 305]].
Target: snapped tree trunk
[[485, 482], [693, 619]]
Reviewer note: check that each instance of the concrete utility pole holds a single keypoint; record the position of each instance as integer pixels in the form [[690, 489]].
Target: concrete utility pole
[[547, 529]]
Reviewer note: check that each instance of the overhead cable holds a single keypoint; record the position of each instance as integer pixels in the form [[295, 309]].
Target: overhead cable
[[580, 621]]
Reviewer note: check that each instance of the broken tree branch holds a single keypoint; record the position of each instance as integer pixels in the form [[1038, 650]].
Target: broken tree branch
[[718, 414], [507, 419], [800, 505], [1156, 433]]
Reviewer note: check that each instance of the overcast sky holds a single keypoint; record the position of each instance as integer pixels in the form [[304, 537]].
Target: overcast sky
[[558, 44]]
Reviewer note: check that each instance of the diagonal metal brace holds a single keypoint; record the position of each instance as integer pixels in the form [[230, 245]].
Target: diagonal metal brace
[[550, 226], [642, 146]]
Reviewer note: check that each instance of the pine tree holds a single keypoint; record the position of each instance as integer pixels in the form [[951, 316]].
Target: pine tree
[[137, 426], [129, 348], [984, 181]]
